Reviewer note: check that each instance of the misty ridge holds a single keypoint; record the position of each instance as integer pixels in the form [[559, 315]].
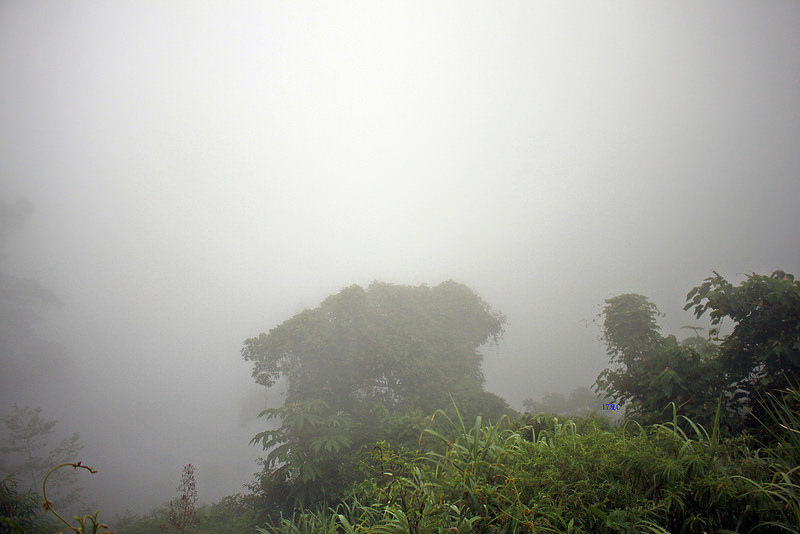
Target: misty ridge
[[410, 267]]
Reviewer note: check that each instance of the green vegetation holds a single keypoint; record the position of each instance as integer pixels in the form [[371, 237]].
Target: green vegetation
[[711, 467], [27, 513], [514, 478], [762, 353], [365, 366], [760, 356], [20, 511], [88, 524], [710, 440], [649, 371]]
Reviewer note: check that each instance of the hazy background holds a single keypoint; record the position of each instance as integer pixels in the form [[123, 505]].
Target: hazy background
[[201, 171]]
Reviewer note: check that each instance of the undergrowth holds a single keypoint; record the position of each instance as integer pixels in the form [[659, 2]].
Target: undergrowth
[[547, 477], [542, 474]]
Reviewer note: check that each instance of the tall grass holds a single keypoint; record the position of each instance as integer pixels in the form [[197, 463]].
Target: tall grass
[[782, 461], [546, 477]]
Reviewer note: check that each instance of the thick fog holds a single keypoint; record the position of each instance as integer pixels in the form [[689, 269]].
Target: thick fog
[[199, 172]]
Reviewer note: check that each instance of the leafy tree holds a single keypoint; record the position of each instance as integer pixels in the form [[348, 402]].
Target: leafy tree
[[27, 453], [310, 444], [760, 356], [358, 365], [649, 371], [762, 353], [391, 344]]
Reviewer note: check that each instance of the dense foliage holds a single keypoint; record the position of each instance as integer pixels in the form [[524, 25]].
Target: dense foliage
[[396, 346], [649, 371], [576, 477], [21, 510], [364, 366], [761, 355], [541, 475], [711, 441]]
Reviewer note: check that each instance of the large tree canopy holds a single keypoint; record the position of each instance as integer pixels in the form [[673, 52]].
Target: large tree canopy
[[362, 367], [398, 345]]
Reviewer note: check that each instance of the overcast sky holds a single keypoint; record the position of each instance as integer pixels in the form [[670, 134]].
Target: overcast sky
[[201, 171]]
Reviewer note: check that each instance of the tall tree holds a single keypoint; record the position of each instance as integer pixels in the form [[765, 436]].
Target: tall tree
[[360, 364], [649, 371], [762, 352]]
